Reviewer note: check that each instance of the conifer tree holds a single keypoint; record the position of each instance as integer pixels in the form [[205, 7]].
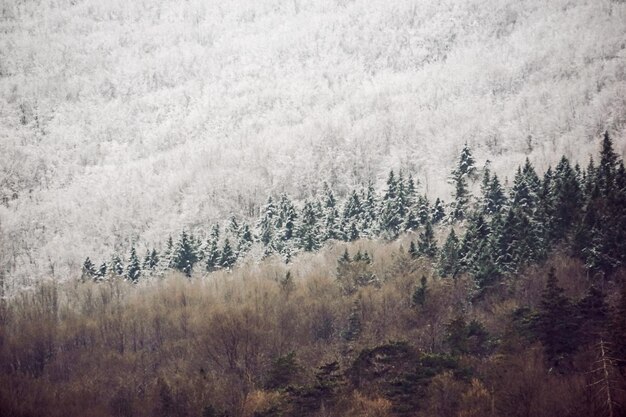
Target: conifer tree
[[390, 216], [369, 221], [233, 227], [309, 229], [608, 165], [427, 246], [151, 260], [567, 200], [355, 327], [89, 270], [592, 314], [228, 256], [556, 322], [133, 270], [449, 257], [266, 224], [184, 256], [117, 266], [245, 240], [464, 171], [331, 223], [102, 272], [212, 255], [413, 252], [438, 212], [419, 295]]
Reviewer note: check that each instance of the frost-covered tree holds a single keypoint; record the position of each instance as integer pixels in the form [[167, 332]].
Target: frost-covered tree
[[228, 256], [133, 270], [309, 228], [185, 255]]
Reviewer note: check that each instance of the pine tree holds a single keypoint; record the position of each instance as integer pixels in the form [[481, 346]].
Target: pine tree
[[184, 256], [266, 225], [438, 212], [233, 227], [608, 166], [427, 246], [133, 270], [390, 216], [331, 224], [117, 266], [593, 315], [419, 295], [413, 252], [449, 257], [464, 171], [89, 270], [151, 260], [309, 229], [101, 273], [369, 221], [228, 257], [556, 322], [212, 255], [567, 200], [245, 240]]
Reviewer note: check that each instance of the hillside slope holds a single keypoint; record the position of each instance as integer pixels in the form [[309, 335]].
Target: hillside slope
[[124, 121]]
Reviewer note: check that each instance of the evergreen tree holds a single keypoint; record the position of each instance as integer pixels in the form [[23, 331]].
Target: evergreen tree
[[449, 257], [419, 295], [390, 215], [369, 221], [567, 200], [427, 246], [117, 266], [608, 166], [352, 233], [331, 226], [89, 270], [245, 240], [133, 270], [168, 254], [233, 227], [593, 315], [423, 210], [151, 260], [413, 252], [212, 255], [184, 256], [526, 188], [556, 322], [309, 229], [411, 222], [494, 198], [266, 225], [228, 257], [102, 272], [438, 213], [464, 171]]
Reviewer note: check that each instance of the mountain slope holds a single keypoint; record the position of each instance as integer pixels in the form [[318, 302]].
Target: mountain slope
[[126, 121]]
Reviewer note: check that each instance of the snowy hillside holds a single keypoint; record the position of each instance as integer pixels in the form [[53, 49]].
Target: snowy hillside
[[124, 121]]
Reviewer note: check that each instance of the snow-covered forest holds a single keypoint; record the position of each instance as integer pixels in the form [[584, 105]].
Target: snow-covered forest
[[123, 122]]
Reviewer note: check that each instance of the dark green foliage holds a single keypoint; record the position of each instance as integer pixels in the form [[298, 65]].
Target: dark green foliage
[[467, 338], [309, 229], [464, 171], [102, 272], [306, 400], [284, 371], [400, 372], [151, 260], [212, 256], [355, 273], [185, 255], [228, 256], [427, 246], [391, 213], [89, 270], [438, 212], [117, 266], [449, 257], [419, 295], [556, 323], [592, 315], [133, 270], [245, 239], [413, 250]]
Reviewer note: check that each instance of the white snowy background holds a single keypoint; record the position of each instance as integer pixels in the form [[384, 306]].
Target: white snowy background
[[126, 120]]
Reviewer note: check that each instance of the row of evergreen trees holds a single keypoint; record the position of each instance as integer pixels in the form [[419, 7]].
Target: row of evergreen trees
[[502, 229]]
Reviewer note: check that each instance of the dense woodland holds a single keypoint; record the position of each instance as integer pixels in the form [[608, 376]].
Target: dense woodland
[[123, 121], [510, 302]]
